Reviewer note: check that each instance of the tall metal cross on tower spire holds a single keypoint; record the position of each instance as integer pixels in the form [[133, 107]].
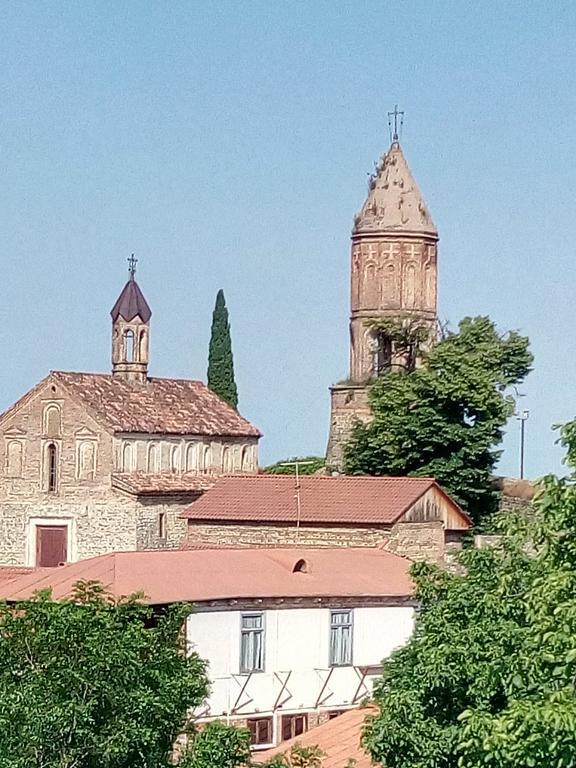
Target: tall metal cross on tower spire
[[132, 261], [398, 123]]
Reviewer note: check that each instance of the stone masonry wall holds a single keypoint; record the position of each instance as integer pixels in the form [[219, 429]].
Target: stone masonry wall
[[417, 541], [347, 403]]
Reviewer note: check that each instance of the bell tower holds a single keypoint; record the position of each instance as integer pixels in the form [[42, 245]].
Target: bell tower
[[393, 283], [131, 331]]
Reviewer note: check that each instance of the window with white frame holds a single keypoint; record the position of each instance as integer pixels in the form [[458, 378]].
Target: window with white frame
[[252, 643], [340, 638]]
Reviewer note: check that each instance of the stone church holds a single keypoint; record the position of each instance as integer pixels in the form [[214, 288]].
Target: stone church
[[91, 463], [393, 277]]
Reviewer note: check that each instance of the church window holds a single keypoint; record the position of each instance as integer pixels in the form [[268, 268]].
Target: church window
[[14, 458], [86, 460], [127, 458], [381, 353], [52, 421], [162, 525], [52, 467], [129, 346], [152, 459], [142, 346]]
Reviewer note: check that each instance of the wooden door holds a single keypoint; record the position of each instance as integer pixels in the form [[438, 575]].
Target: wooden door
[[51, 545]]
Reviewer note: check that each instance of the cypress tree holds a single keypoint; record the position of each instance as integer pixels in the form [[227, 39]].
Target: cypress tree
[[220, 359]]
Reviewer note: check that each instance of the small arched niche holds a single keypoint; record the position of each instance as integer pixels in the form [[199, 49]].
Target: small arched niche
[[300, 566]]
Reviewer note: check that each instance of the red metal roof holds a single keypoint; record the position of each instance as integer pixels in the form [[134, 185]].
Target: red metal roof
[[11, 572], [339, 739], [168, 406], [167, 576], [339, 499]]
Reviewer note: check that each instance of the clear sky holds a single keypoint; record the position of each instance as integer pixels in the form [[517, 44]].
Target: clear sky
[[228, 145]]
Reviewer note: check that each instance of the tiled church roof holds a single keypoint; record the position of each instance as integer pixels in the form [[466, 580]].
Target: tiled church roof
[[161, 406], [130, 303], [148, 483], [338, 500]]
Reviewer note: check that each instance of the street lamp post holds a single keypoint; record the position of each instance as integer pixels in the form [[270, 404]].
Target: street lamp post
[[522, 418]]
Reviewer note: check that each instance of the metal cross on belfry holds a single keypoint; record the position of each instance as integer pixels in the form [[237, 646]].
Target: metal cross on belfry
[[132, 261], [398, 123]]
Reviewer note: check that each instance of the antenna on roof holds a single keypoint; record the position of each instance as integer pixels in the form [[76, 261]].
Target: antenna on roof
[[296, 464]]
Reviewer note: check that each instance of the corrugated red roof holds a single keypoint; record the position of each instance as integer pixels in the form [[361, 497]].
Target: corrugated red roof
[[168, 406], [11, 572], [340, 499], [223, 574], [162, 482], [131, 303], [339, 739]]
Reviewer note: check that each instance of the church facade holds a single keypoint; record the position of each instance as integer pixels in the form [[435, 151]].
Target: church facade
[[393, 280], [94, 463]]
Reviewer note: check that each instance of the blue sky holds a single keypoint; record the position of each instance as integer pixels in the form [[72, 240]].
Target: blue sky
[[228, 144]]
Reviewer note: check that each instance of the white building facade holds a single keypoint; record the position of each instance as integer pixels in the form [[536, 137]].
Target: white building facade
[[282, 670]]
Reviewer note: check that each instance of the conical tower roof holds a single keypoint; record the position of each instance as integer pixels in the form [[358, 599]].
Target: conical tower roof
[[394, 203], [131, 303]]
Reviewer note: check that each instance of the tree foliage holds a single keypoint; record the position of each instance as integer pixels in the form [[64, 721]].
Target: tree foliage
[[93, 683], [217, 745], [220, 360], [307, 465], [446, 418], [488, 679]]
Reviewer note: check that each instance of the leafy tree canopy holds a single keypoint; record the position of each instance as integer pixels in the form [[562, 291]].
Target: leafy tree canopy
[[93, 683], [307, 465], [217, 745], [220, 360], [488, 679], [446, 418]]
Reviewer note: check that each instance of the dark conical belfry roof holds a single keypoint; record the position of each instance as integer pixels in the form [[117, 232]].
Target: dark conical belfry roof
[[131, 303]]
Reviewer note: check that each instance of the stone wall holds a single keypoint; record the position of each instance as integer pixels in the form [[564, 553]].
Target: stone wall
[[151, 533], [417, 541], [348, 402]]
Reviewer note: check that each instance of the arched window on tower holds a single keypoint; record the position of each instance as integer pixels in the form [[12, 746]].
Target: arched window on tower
[[52, 467], [142, 346], [381, 353], [129, 346]]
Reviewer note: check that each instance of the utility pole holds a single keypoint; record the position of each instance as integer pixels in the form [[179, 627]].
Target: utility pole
[[522, 418]]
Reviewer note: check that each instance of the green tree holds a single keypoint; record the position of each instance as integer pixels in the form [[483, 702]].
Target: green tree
[[220, 360], [217, 745], [93, 683], [488, 679], [446, 418], [307, 465]]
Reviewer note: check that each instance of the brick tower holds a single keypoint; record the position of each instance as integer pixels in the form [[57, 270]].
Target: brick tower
[[393, 276]]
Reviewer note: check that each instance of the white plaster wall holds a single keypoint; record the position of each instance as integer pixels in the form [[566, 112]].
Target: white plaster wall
[[296, 651]]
